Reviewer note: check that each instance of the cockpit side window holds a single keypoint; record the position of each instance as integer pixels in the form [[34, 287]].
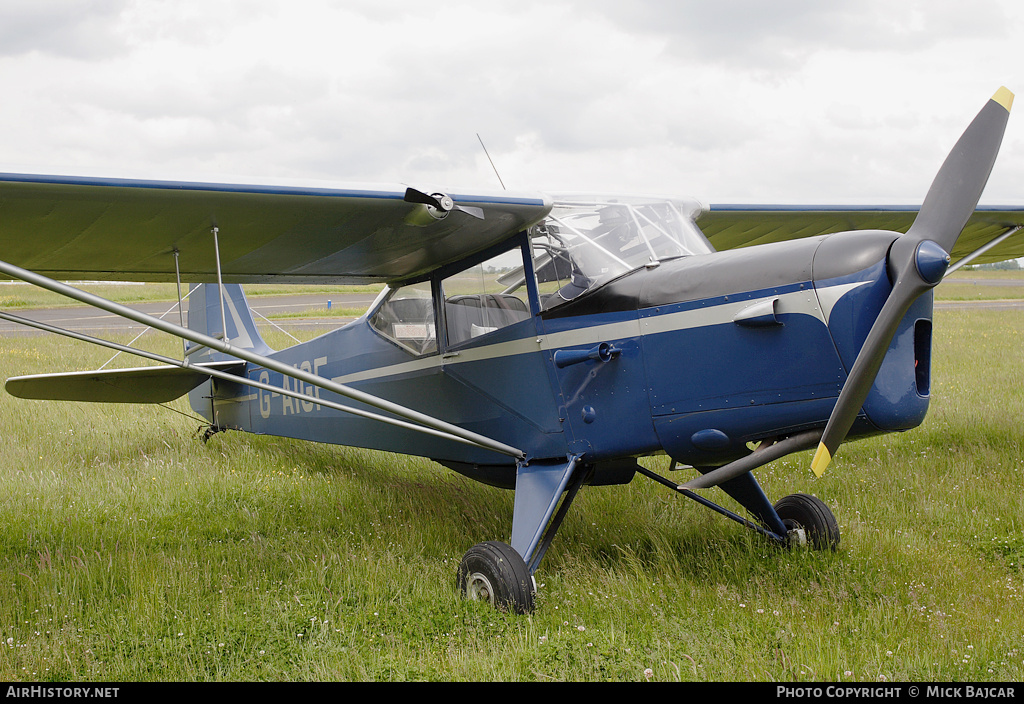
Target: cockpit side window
[[485, 298], [407, 318]]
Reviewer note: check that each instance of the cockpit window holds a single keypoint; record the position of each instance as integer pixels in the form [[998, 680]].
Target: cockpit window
[[407, 318], [485, 298], [587, 241]]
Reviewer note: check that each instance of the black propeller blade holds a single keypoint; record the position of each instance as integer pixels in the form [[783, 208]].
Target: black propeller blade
[[441, 203], [918, 259]]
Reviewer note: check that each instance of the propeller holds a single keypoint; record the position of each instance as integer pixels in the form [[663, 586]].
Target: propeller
[[918, 258], [440, 203]]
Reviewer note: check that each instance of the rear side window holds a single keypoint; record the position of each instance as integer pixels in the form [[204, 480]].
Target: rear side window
[[407, 319]]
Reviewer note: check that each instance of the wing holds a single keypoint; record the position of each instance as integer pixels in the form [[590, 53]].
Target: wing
[[138, 385], [731, 226], [109, 229]]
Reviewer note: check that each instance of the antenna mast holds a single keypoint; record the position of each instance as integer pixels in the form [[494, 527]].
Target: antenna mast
[[492, 162]]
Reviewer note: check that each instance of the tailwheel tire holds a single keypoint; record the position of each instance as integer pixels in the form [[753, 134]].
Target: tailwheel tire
[[495, 573], [811, 516]]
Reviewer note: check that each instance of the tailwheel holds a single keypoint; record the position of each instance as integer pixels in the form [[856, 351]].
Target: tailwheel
[[809, 521], [495, 573]]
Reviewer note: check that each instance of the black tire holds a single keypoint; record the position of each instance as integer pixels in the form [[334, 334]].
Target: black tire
[[495, 573], [812, 515]]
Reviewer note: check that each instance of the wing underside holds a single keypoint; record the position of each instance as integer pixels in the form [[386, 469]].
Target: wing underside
[[731, 226], [108, 229]]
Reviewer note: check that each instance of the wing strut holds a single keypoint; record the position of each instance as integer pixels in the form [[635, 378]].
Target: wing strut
[[984, 248], [417, 420], [220, 283], [177, 281]]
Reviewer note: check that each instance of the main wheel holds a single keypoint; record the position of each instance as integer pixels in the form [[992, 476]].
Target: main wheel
[[811, 515], [495, 573]]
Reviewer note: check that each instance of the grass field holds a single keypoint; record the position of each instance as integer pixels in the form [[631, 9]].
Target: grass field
[[981, 285], [132, 551]]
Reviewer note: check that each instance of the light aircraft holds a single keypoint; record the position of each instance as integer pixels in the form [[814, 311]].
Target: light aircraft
[[528, 341]]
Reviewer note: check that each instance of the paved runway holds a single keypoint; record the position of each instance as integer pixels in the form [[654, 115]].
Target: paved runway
[[1009, 303], [92, 321], [988, 282]]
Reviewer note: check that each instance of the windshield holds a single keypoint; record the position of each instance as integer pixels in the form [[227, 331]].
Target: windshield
[[587, 241]]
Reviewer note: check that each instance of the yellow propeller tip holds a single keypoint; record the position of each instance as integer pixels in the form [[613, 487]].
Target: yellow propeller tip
[[1004, 97], [821, 460]]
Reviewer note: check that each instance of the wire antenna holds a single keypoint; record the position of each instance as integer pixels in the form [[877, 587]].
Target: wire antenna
[[492, 161]]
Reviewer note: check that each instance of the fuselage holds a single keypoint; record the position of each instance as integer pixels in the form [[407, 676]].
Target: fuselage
[[712, 352]]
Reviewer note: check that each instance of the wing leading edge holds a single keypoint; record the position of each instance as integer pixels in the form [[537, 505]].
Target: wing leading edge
[[128, 230]]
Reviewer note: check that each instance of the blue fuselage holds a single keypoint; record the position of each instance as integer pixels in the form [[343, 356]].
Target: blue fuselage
[[712, 352]]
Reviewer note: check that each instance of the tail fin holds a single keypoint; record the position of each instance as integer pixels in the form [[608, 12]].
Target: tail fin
[[204, 315]]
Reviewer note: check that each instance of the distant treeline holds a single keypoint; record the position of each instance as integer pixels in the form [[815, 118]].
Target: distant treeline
[[1011, 265]]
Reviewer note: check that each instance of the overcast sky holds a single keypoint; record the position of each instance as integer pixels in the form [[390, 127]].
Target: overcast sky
[[728, 101]]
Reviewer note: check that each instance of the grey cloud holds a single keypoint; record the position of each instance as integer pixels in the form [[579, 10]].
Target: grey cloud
[[781, 34], [82, 29]]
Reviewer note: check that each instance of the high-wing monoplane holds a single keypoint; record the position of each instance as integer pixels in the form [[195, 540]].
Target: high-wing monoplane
[[534, 342]]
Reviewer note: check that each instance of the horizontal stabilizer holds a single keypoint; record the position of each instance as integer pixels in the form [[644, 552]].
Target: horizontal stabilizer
[[139, 385]]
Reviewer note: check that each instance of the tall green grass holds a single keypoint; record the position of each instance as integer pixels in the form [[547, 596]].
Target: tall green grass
[[132, 551]]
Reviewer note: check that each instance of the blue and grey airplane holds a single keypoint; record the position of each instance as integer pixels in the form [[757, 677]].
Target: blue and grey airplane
[[530, 341]]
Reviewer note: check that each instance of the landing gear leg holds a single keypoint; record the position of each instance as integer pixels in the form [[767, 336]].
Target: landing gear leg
[[798, 519], [501, 574]]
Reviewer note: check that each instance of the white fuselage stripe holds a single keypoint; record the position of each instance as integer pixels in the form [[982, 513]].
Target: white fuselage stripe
[[803, 302]]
